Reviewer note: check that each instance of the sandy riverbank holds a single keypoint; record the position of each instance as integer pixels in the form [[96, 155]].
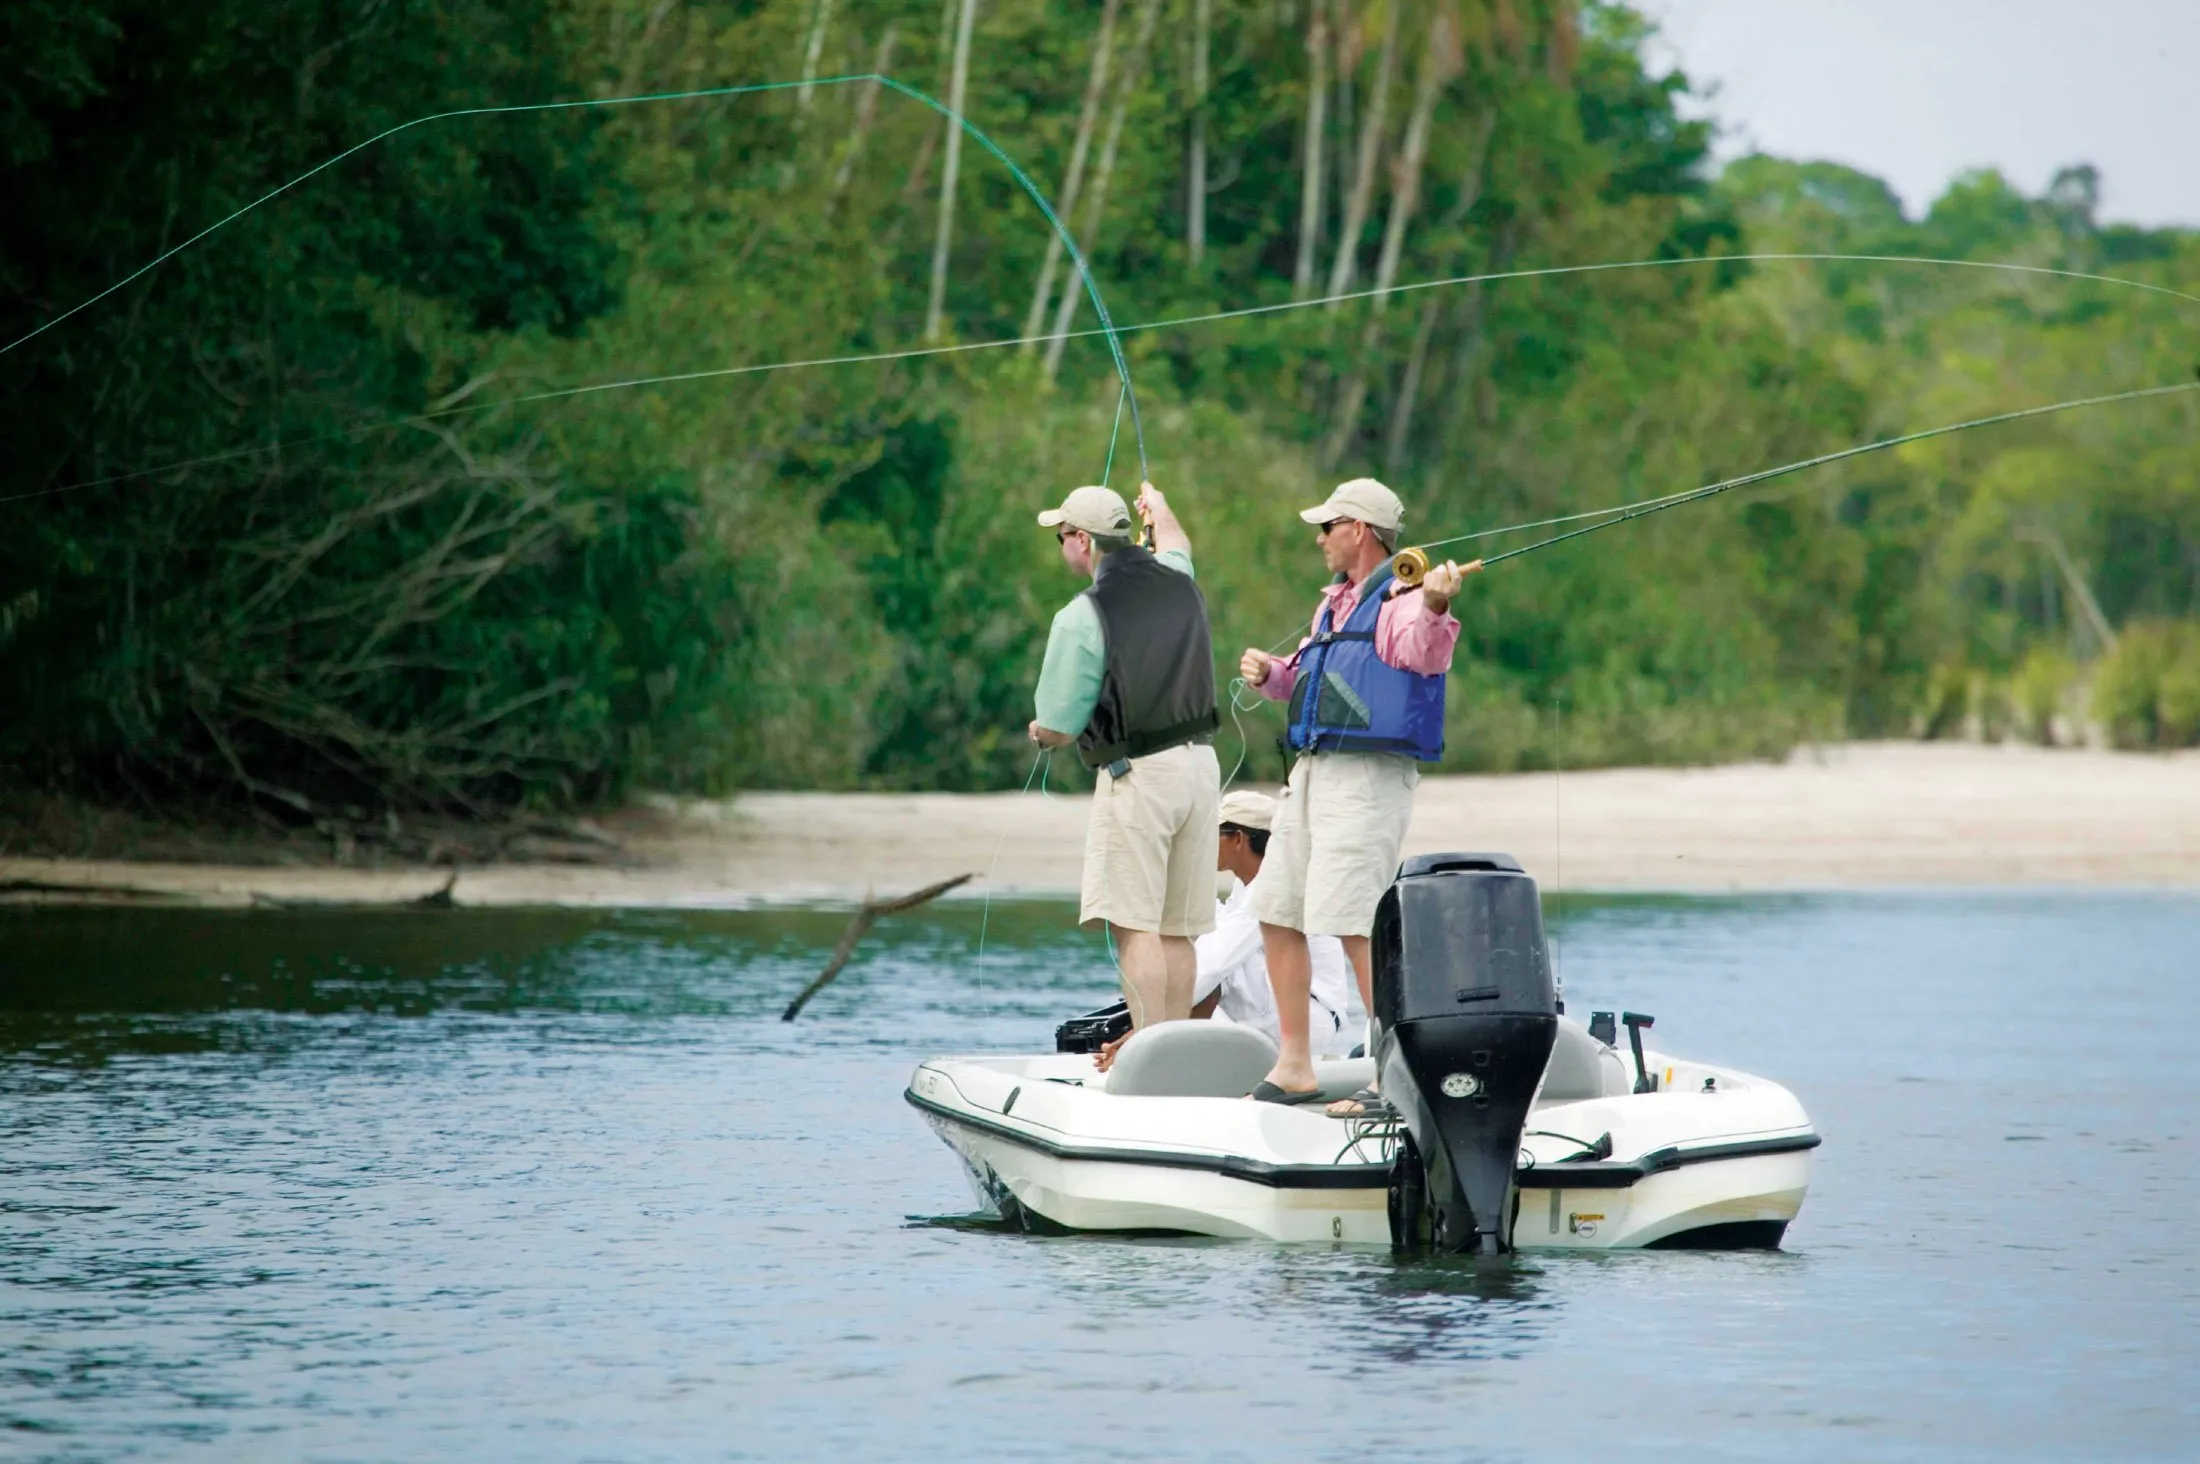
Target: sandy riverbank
[[1874, 815]]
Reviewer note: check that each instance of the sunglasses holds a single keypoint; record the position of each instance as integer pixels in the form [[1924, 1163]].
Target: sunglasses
[[1331, 526]]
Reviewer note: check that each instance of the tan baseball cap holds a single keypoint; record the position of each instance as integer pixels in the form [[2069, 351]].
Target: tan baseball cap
[[1095, 510], [1363, 499], [1249, 810]]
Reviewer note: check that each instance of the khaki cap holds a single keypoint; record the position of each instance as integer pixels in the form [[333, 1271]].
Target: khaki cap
[[1249, 810], [1363, 499], [1095, 510]]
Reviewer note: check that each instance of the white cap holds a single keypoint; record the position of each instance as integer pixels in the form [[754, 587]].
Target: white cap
[[1249, 810], [1095, 510], [1363, 499]]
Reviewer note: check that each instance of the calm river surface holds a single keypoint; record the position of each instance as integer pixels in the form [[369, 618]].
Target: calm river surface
[[562, 1186]]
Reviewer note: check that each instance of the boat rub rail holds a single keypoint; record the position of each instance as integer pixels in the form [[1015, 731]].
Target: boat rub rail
[[1598, 1174]]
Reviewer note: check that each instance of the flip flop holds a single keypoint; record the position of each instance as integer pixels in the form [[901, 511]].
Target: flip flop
[[1267, 1092]]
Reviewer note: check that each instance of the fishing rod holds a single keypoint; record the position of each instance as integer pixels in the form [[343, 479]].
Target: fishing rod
[[1410, 565]]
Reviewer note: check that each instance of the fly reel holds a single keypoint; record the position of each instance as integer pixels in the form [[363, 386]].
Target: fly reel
[[1409, 566]]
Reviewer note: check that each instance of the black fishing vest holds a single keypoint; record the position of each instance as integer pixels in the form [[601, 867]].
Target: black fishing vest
[[1159, 686]]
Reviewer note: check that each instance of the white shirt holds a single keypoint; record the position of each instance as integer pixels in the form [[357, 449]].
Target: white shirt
[[1231, 961]]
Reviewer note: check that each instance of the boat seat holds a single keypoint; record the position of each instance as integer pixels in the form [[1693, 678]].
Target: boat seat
[[1582, 1067], [1191, 1059]]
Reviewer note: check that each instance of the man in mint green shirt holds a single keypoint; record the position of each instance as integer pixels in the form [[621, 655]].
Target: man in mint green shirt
[[1129, 679]]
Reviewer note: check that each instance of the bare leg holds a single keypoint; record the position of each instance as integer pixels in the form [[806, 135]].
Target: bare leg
[[1291, 976], [1183, 970], [1360, 951], [1145, 975]]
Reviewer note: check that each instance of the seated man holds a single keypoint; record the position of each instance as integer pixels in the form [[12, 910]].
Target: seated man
[[1233, 972]]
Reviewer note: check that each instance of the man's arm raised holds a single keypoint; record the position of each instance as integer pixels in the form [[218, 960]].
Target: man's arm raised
[[1167, 532]]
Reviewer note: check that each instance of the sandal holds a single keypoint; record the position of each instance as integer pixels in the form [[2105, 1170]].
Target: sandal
[[1267, 1092]]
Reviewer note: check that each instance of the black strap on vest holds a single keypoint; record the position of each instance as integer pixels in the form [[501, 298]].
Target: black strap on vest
[[1145, 744]]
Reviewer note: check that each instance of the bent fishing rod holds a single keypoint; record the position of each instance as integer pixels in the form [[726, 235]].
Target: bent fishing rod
[[975, 132]]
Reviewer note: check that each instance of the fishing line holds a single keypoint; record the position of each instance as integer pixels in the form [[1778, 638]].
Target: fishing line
[[1566, 518], [1111, 330], [1039, 765], [1245, 740], [1558, 851], [1642, 508], [1550, 271], [559, 394], [976, 133], [1629, 512], [1107, 473]]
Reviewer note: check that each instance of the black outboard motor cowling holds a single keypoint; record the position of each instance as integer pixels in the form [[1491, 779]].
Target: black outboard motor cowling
[[1464, 993]]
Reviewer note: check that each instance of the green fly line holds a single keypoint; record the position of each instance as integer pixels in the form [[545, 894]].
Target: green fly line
[[1112, 330], [976, 134]]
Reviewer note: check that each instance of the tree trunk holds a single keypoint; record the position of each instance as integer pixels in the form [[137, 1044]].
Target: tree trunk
[[1466, 361], [943, 236], [1341, 114], [819, 20], [1096, 83], [1346, 264], [1195, 202], [2079, 590], [1097, 202], [1409, 388], [1412, 159], [820, 17], [866, 109], [1437, 65], [1310, 175]]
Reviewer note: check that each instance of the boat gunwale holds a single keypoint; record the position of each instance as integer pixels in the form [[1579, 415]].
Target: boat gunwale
[[1600, 1174]]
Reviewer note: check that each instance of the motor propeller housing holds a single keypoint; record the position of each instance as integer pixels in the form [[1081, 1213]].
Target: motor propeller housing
[[1468, 1009]]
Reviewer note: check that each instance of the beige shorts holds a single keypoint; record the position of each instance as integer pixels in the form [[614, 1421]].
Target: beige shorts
[[1150, 846], [1340, 826]]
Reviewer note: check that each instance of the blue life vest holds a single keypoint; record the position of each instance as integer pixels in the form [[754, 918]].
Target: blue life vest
[[1349, 700]]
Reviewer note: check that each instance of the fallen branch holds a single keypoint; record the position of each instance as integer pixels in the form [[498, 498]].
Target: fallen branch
[[440, 899], [867, 916]]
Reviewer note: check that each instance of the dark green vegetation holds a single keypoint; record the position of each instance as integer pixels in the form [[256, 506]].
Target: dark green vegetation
[[829, 578]]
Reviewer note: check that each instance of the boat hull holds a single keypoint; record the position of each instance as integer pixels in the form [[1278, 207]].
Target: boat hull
[[1047, 1152]]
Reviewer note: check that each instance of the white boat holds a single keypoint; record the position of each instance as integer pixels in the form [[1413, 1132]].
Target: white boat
[[1512, 1125]]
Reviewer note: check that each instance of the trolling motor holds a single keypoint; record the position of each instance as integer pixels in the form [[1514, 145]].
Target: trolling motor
[[1464, 993]]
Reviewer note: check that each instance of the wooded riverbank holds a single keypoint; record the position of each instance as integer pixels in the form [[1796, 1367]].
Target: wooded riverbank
[[463, 479]]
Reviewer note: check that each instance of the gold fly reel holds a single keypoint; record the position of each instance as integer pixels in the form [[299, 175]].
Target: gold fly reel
[[1410, 566]]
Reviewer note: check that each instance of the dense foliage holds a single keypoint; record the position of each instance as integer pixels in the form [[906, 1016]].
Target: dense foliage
[[281, 519]]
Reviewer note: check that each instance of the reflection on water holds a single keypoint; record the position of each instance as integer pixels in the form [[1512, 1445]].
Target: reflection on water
[[560, 1185]]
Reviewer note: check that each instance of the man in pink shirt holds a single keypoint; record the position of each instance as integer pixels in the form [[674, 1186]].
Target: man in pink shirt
[[1365, 699]]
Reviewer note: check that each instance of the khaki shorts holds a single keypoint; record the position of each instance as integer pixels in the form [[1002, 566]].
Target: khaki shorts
[[1150, 846], [1339, 828]]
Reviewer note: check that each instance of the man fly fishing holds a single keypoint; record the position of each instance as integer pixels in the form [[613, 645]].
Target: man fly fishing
[[1365, 693], [1129, 678]]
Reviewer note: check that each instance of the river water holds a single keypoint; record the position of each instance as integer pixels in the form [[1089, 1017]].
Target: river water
[[556, 1186]]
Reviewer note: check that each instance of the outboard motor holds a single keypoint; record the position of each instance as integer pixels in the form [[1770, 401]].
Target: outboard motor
[[1464, 994]]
